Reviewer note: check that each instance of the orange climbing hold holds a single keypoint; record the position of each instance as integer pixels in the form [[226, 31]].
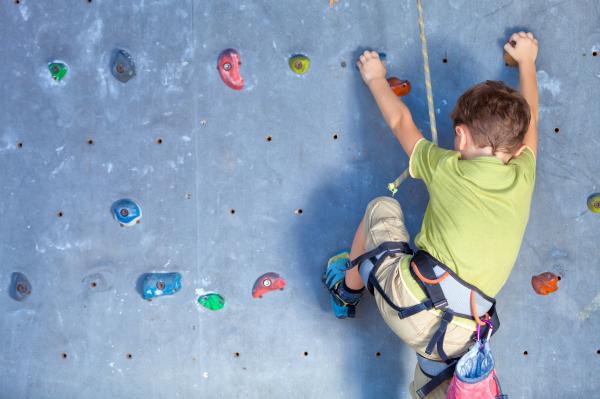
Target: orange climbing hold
[[400, 87], [545, 283]]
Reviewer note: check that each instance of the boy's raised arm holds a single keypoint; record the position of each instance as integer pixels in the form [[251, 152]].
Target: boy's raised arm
[[396, 114], [523, 47]]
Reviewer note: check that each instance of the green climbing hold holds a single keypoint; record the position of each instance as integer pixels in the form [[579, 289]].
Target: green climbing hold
[[300, 64], [58, 70], [593, 203], [212, 301]]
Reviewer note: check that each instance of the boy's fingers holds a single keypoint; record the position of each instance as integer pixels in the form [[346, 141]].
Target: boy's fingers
[[514, 38], [509, 48], [363, 58], [374, 54], [530, 35], [366, 53], [522, 34]]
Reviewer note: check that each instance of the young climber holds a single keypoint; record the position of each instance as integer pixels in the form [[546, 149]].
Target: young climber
[[479, 199]]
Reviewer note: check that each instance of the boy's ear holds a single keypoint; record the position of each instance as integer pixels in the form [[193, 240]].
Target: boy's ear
[[461, 137]]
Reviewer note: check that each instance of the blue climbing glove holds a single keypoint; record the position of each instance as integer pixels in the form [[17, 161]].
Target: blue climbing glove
[[343, 302]]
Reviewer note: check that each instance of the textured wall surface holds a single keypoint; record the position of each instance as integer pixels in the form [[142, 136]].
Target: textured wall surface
[[70, 339]]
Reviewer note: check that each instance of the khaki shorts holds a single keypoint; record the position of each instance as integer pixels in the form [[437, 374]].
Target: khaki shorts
[[384, 221]]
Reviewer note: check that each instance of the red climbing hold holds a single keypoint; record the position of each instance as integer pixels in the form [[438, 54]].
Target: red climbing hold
[[266, 283], [545, 283], [229, 69], [400, 87]]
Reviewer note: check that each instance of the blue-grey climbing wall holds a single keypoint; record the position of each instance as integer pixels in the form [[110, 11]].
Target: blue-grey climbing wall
[[271, 178]]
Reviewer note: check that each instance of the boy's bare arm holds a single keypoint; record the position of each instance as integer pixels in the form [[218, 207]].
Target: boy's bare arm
[[396, 114], [523, 47]]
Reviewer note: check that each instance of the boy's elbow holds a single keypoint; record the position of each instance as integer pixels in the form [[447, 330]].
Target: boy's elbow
[[397, 122]]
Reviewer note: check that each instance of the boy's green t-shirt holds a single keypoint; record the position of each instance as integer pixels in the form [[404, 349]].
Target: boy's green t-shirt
[[477, 213]]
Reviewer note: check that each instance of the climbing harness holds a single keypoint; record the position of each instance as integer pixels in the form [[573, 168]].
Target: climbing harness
[[393, 187], [445, 292]]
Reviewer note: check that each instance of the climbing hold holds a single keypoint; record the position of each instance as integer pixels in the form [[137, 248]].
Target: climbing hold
[[159, 284], [593, 203], [58, 70], [300, 64], [122, 66], [212, 301], [266, 283], [20, 287], [228, 66], [545, 283], [400, 87], [127, 212]]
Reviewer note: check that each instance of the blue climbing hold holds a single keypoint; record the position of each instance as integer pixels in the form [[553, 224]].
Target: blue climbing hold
[[127, 212], [160, 284], [20, 288]]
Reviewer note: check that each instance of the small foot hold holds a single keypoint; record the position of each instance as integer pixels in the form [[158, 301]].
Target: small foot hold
[[593, 203], [266, 283], [122, 66], [160, 284], [299, 64], [20, 288], [545, 283], [58, 70], [127, 212], [212, 301], [400, 88], [228, 66]]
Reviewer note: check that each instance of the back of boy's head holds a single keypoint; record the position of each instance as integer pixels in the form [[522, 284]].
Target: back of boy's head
[[496, 115]]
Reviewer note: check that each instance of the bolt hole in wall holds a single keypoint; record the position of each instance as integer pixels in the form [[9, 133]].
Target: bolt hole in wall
[[594, 53], [378, 354], [305, 353], [298, 211], [236, 354], [90, 141], [556, 130], [159, 140], [598, 352], [93, 284], [269, 138], [129, 356], [335, 136], [445, 60], [232, 211], [59, 214], [19, 145], [525, 353], [64, 355], [343, 64]]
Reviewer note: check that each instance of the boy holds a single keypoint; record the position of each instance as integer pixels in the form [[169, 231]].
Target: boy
[[480, 195]]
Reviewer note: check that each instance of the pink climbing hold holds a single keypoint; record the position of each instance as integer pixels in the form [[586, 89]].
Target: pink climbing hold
[[229, 69], [266, 283]]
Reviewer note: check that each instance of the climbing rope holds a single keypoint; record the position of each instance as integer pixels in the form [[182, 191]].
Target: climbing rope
[[393, 187]]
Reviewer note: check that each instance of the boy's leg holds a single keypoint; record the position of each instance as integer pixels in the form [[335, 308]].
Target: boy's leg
[[353, 279], [420, 379], [383, 222]]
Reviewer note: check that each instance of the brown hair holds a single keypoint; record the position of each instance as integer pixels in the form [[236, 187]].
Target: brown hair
[[496, 115]]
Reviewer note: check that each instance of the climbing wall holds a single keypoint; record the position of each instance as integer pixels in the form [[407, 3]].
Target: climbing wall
[[270, 178]]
